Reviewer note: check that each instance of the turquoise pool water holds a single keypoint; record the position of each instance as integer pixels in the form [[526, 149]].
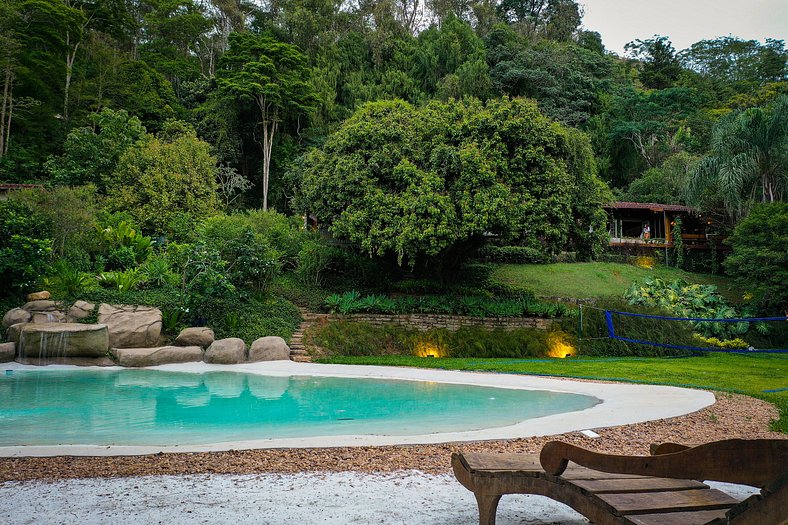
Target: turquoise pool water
[[150, 407]]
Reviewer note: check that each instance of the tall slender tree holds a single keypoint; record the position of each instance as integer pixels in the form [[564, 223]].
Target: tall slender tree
[[274, 76]]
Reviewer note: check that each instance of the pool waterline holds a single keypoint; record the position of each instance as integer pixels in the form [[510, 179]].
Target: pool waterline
[[621, 404]]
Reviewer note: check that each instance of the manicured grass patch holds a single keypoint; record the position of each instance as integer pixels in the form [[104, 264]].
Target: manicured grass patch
[[746, 374], [596, 279]]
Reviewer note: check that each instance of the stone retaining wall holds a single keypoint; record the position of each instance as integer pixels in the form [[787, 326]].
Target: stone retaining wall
[[426, 322]]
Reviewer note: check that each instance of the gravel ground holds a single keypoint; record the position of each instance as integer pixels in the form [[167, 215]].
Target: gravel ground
[[732, 416]]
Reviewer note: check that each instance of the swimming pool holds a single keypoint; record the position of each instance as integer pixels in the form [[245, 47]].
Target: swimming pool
[[154, 407], [620, 404]]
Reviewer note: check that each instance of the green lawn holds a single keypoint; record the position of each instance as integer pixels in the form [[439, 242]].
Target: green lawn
[[747, 374], [596, 279]]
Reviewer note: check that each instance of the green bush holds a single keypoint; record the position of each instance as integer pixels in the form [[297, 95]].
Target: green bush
[[595, 341], [515, 306], [250, 261], [67, 282], [360, 339], [513, 255], [24, 255], [760, 254], [682, 299], [253, 317]]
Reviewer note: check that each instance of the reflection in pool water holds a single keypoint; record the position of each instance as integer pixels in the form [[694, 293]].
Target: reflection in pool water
[[151, 407]]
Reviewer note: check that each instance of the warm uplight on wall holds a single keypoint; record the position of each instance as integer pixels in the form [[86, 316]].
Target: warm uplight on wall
[[558, 347], [424, 349]]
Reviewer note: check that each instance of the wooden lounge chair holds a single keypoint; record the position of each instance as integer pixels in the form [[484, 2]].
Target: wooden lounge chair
[[664, 488]]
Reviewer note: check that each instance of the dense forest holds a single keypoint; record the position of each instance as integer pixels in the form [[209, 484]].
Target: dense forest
[[263, 82], [412, 130]]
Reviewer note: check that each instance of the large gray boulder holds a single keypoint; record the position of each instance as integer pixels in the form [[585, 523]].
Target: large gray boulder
[[53, 316], [7, 352], [41, 305], [156, 356], [228, 351], [16, 315], [14, 332], [79, 310], [131, 326], [269, 348], [63, 340], [195, 336]]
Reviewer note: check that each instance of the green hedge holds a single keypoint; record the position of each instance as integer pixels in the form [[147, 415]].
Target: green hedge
[[512, 255], [526, 305], [345, 338]]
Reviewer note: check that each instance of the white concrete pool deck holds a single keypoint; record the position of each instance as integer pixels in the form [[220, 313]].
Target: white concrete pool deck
[[620, 404]]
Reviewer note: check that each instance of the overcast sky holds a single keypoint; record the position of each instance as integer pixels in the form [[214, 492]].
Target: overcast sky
[[684, 21]]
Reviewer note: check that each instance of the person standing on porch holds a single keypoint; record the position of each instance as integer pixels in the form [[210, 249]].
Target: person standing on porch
[[646, 231]]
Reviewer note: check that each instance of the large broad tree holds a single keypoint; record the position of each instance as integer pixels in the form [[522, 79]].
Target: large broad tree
[[273, 75], [428, 185]]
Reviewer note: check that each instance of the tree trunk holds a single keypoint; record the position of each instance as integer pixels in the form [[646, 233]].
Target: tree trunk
[[6, 98], [8, 122], [270, 124]]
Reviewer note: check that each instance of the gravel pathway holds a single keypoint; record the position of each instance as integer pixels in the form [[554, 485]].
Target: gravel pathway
[[732, 416]]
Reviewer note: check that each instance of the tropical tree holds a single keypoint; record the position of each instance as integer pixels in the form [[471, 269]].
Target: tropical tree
[[749, 159], [760, 253], [427, 185], [272, 74], [162, 179]]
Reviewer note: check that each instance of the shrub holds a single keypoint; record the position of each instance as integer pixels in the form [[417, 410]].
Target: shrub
[[24, 255], [360, 339], [67, 282], [513, 255], [760, 254], [595, 341], [250, 262], [515, 306], [688, 300], [253, 317]]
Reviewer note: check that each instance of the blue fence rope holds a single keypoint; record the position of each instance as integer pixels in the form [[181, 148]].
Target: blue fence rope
[[612, 333]]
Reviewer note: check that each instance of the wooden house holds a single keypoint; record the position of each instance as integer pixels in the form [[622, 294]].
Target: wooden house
[[648, 224]]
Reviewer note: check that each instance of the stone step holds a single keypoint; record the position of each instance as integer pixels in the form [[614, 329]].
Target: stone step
[[302, 359]]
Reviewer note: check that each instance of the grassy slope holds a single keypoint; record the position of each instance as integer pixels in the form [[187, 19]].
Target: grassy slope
[[746, 374], [596, 279]]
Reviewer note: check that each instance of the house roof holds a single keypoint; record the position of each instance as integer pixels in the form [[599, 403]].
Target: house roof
[[653, 206]]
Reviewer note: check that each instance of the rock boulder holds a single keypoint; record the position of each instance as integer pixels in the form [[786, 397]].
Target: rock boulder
[[39, 296], [156, 356], [53, 316], [16, 315], [228, 351], [195, 336], [79, 310], [131, 326], [14, 332], [7, 352], [41, 305], [63, 340], [269, 348]]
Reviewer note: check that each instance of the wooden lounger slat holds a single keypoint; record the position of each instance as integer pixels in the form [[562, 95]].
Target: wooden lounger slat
[[656, 502], [701, 517], [620, 486]]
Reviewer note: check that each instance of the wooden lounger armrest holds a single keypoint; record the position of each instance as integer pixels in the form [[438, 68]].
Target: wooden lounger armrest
[[755, 462], [657, 449]]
